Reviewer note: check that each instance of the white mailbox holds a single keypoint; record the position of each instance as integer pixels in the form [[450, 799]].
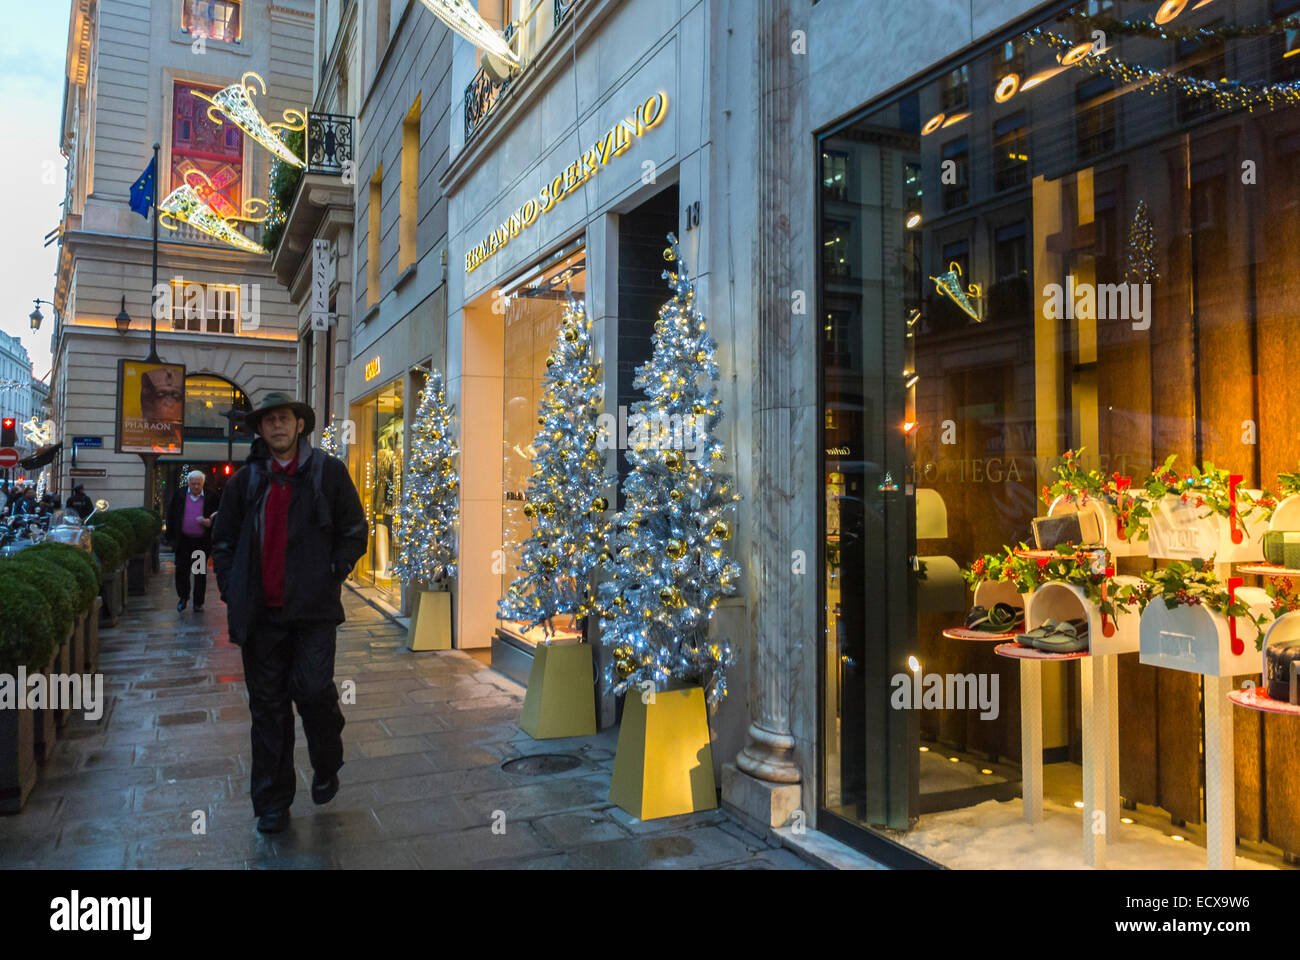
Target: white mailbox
[[1184, 531], [1065, 601], [1198, 640]]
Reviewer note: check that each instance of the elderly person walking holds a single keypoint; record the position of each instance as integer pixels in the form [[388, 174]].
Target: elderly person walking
[[189, 530]]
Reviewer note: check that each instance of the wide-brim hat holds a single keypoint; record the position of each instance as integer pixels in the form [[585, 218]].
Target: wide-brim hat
[[274, 401]]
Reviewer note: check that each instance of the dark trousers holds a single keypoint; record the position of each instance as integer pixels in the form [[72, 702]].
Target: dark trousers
[[185, 550], [286, 661]]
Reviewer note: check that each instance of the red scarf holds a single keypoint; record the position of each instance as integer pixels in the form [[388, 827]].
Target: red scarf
[[275, 535]]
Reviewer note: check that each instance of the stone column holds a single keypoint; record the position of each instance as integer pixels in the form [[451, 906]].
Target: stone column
[[763, 785]]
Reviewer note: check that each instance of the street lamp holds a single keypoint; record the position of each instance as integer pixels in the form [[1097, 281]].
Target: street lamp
[[123, 319], [35, 316]]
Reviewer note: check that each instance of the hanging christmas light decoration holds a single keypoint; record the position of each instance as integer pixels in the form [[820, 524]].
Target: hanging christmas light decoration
[[235, 103], [186, 206], [949, 284], [1142, 246], [569, 522], [1227, 94], [427, 517], [669, 567], [462, 18]]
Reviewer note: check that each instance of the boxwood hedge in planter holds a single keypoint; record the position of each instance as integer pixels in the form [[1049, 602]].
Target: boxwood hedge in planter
[[76, 562], [108, 547], [121, 525], [27, 634], [57, 585]]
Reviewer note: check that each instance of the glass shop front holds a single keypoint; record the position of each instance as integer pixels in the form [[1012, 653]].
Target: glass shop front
[[376, 460], [534, 309], [1057, 290]]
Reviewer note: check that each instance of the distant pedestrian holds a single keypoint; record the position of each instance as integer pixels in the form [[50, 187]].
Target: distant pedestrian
[[26, 505], [80, 502], [284, 610], [189, 530]]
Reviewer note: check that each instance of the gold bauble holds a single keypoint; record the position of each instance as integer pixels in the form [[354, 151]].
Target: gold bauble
[[530, 511], [550, 561], [669, 594], [676, 549], [550, 362], [669, 255], [675, 495], [673, 460], [600, 504], [721, 530], [571, 334], [436, 435], [697, 409], [548, 509]]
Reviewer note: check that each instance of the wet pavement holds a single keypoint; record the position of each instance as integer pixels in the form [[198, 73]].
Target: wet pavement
[[161, 780]]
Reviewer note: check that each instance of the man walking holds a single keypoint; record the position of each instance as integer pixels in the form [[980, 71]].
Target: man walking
[[82, 504], [189, 530], [288, 533]]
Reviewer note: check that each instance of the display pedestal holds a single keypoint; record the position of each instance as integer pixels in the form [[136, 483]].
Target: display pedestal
[[664, 763], [561, 693], [1100, 690], [430, 627]]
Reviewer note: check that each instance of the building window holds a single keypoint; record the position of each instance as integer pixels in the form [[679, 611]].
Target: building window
[[1009, 58], [205, 307], [207, 397], [835, 176], [211, 19], [372, 237], [1094, 122], [955, 91], [410, 189], [206, 155], [1010, 152], [957, 193], [835, 249]]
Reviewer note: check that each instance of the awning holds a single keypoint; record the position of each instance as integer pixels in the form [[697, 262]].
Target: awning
[[41, 457]]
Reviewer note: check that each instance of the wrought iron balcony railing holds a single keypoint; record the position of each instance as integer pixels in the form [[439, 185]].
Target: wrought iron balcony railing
[[485, 91], [329, 143]]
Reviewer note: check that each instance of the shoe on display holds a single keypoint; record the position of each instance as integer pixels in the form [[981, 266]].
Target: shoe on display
[[1003, 618], [1068, 636], [976, 616], [274, 822]]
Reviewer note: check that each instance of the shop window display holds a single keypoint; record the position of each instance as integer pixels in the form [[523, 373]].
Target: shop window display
[[534, 310], [377, 462], [1100, 279]]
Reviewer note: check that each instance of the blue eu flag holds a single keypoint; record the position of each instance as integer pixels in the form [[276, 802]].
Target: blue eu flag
[[142, 190]]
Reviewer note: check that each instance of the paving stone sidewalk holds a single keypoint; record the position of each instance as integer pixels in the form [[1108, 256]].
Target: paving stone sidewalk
[[423, 781]]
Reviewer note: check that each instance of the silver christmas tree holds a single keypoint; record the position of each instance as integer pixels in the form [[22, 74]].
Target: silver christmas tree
[[669, 568], [564, 505], [427, 517]]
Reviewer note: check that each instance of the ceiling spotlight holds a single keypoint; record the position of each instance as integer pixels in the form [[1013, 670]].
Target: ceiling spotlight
[[910, 379], [914, 664], [925, 749], [987, 772], [954, 759], [933, 124], [913, 221], [1169, 10], [1177, 837], [1125, 819], [909, 426], [1079, 804], [1008, 86]]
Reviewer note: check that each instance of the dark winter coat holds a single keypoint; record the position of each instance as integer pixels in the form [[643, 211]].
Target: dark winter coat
[[327, 536], [176, 516]]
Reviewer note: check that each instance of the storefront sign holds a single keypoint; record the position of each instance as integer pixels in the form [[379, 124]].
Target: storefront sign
[[617, 141], [88, 441], [150, 407], [372, 369], [320, 285], [88, 472]]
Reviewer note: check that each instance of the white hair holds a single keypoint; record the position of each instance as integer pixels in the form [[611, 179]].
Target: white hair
[[195, 473]]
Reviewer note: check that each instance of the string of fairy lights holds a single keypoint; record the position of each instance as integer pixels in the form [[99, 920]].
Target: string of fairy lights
[[1227, 94]]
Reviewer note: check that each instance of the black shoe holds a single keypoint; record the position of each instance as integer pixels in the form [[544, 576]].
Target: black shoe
[[274, 822], [180, 605], [322, 791]]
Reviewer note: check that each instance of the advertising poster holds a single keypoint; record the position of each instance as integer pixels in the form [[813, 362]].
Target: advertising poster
[[150, 407]]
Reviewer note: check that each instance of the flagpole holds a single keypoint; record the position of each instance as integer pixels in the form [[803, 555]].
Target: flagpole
[[153, 295]]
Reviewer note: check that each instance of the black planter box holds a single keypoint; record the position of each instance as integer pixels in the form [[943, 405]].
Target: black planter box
[[43, 721], [137, 575], [91, 635]]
